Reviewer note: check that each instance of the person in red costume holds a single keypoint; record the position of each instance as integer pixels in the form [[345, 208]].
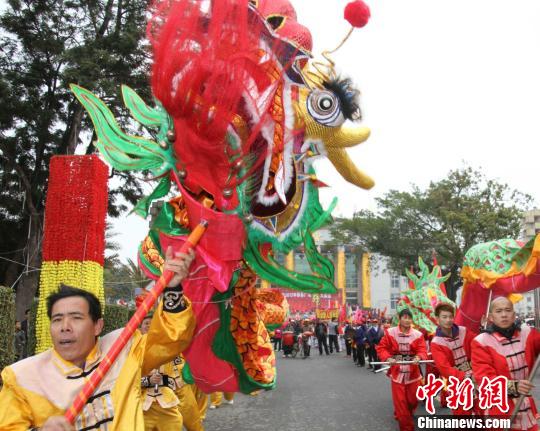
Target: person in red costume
[[403, 343], [508, 350], [451, 348]]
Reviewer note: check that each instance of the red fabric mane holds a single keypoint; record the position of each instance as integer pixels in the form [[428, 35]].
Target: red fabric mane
[[205, 60]]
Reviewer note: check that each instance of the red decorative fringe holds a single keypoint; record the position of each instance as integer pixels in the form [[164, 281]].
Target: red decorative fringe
[[76, 209]]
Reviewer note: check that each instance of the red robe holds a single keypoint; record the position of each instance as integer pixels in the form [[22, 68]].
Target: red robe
[[494, 355], [405, 378], [395, 342], [452, 356]]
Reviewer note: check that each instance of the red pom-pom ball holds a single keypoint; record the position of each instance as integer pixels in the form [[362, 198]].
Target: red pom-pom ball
[[357, 13]]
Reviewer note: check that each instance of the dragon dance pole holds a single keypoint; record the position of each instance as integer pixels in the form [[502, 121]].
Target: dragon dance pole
[[427, 361], [98, 375], [487, 310]]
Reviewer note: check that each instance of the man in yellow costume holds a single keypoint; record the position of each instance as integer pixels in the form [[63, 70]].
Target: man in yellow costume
[[186, 395], [160, 405], [202, 401], [168, 400], [37, 390]]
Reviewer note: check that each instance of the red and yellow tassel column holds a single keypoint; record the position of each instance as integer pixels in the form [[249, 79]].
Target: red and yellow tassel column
[[74, 236]]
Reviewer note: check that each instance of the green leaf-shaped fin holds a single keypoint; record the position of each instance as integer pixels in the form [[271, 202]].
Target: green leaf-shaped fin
[[319, 264], [144, 114], [269, 269], [412, 277], [423, 267], [124, 152]]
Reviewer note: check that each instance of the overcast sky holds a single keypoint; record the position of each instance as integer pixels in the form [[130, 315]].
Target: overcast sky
[[443, 83]]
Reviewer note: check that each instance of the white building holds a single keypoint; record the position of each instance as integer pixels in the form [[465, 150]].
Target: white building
[[531, 227], [526, 305], [531, 224], [386, 286]]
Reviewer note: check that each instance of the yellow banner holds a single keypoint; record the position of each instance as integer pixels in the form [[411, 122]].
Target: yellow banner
[[341, 276], [289, 261], [327, 314], [366, 281]]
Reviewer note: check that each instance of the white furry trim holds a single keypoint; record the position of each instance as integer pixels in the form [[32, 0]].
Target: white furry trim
[[288, 139], [267, 131], [288, 136]]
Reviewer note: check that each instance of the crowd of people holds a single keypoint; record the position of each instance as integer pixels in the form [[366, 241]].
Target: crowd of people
[[505, 345], [358, 339], [146, 388]]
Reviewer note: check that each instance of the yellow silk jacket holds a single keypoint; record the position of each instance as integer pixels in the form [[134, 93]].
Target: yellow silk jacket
[[45, 385], [164, 394]]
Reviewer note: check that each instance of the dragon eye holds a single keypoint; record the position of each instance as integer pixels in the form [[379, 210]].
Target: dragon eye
[[325, 108]]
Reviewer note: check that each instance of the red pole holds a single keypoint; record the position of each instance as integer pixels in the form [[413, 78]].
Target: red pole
[[97, 376]]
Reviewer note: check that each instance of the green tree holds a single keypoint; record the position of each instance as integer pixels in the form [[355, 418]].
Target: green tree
[[44, 46], [112, 248], [121, 280], [448, 217]]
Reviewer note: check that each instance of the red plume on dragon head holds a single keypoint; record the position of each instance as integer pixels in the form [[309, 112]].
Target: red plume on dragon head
[[212, 75]]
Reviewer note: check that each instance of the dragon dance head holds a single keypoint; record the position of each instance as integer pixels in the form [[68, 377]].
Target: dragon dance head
[[241, 112], [240, 117], [424, 295]]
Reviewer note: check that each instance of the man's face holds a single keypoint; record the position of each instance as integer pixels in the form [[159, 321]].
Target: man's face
[[73, 331], [405, 321], [145, 325], [445, 319], [502, 313], [18, 325]]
